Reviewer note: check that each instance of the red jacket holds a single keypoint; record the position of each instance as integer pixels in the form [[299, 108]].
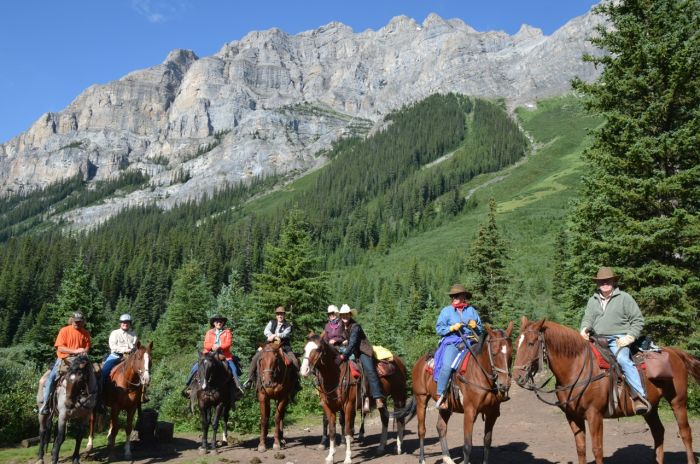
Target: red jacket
[[225, 340]]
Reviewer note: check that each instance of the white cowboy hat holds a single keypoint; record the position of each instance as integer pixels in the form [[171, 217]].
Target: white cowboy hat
[[345, 309], [332, 309]]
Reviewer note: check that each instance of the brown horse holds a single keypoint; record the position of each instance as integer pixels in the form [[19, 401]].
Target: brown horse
[[482, 388], [582, 387], [339, 393], [276, 380], [124, 391]]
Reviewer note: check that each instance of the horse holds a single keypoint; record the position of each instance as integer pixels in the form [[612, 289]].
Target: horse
[[482, 388], [582, 387], [339, 392], [124, 391], [72, 401], [212, 388], [276, 381]]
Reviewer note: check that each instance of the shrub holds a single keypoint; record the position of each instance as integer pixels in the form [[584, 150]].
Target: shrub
[[18, 386]]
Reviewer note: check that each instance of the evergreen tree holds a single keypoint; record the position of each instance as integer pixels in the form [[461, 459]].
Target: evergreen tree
[[638, 208], [292, 278], [245, 323], [486, 264], [182, 326]]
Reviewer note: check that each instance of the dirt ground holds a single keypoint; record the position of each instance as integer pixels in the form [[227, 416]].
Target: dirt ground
[[528, 432]]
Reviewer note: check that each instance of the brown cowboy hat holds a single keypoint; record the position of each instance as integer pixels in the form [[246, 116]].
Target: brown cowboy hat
[[280, 310], [458, 289], [605, 273]]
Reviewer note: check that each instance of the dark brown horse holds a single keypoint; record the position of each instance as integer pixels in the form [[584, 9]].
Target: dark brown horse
[[124, 391], [339, 393], [72, 401], [482, 388], [277, 377], [582, 387]]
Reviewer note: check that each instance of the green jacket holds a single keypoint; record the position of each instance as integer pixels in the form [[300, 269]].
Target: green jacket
[[621, 315]]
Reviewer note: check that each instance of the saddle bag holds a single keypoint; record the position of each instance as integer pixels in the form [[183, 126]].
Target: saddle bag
[[385, 369], [658, 365], [354, 371]]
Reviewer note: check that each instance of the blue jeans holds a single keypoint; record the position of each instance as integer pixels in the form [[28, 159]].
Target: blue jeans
[[231, 366], [112, 360], [375, 388], [448, 357], [50, 380], [627, 365]]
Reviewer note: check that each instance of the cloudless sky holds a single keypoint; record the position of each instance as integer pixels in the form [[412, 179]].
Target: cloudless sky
[[50, 51]]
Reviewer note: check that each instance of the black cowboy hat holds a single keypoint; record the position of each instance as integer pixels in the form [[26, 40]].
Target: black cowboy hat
[[217, 317]]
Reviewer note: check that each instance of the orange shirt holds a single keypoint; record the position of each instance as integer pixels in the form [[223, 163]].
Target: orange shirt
[[70, 337], [225, 340]]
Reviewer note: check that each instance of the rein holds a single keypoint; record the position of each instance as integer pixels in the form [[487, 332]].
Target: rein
[[341, 388], [492, 378], [542, 357]]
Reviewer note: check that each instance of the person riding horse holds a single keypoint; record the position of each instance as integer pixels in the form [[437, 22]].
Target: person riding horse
[[359, 346], [218, 337], [456, 323], [333, 333], [276, 329], [121, 341], [613, 314], [72, 340]]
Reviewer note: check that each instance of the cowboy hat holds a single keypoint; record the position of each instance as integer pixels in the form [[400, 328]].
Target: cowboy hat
[[280, 310], [605, 273], [345, 309], [458, 289], [217, 317], [332, 309]]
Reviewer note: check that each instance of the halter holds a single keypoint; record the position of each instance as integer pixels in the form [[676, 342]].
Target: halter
[[542, 357], [131, 386], [342, 386], [492, 377], [274, 369], [208, 375]]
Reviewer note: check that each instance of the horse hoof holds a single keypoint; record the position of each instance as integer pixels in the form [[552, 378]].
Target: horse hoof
[[261, 448], [224, 443], [347, 461], [321, 447], [276, 447], [380, 451], [201, 451]]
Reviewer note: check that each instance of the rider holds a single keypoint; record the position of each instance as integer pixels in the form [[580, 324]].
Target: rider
[[121, 342], [333, 333], [456, 322], [278, 329], [615, 315], [218, 337], [72, 340], [359, 346]]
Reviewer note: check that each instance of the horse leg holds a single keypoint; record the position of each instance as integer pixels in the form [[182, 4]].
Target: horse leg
[[79, 432], [264, 419], [224, 436], [44, 435], [205, 413], [678, 404], [469, 418], [657, 432], [443, 418], [113, 427], [279, 424], [91, 431], [595, 424], [349, 425], [400, 425], [489, 422], [330, 416], [324, 434], [384, 414], [578, 428], [60, 436], [128, 427], [218, 410], [421, 406]]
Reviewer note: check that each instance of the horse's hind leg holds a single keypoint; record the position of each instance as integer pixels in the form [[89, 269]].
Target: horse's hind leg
[[421, 405], [44, 436], [678, 403], [657, 432], [128, 427], [384, 414], [443, 418]]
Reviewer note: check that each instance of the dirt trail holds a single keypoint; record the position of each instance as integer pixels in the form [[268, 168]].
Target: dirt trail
[[528, 432]]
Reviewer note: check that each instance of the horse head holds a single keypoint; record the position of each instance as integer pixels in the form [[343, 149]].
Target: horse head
[[311, 354], [270, 364], [139, 362], [500, 351], [529, 352], [77, 379]]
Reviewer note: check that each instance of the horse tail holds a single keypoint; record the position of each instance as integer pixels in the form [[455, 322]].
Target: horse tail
[[407, 411], [691, 363]]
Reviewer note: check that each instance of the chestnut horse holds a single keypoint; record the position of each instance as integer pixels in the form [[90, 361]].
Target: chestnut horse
[[123, 392], [339, 393], [482, 388], [72, 401], [276, 380], [582, 387]]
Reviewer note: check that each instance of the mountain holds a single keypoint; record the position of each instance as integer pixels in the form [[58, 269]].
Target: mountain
[[273, 103]]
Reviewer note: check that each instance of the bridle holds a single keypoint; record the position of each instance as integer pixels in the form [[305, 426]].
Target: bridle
[[541, 357], [495, 387], [142, 372], [338, 391], [279, 360], [206, 365], [80, 386]]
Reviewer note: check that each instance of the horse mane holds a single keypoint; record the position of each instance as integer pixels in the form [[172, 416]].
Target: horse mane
[[563, 340]]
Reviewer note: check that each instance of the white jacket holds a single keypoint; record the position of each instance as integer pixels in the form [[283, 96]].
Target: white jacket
[[121, 341]]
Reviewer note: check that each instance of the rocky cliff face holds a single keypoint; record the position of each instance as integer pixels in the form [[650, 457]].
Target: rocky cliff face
[[271, 101]]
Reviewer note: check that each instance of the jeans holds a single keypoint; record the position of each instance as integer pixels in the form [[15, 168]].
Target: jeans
[[50, 380], [231, 366], [448, 356], [627, 365], [375, 388], [112, 360]]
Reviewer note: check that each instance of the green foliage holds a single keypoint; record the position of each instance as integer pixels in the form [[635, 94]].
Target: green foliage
[[18, 384], [638, 208]]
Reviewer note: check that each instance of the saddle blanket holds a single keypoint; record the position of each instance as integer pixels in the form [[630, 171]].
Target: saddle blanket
[[430, 364], [382, 354]]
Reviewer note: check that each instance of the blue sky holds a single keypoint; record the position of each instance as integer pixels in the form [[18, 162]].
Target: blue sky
[[50, 51]]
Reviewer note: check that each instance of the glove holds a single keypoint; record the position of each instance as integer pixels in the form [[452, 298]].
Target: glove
[[625, 341], [456, 326], [471, 324], [584, 333]]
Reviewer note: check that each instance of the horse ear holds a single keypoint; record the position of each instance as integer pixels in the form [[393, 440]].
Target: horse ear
[[509, 329], [539, 325], [311, 335], [523, 322], [150, 346], [138, 344]]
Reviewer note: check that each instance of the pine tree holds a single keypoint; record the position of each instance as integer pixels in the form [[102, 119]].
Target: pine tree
[[181, 328], [638, 208], [486, 264], [245, 323], [291, 277]]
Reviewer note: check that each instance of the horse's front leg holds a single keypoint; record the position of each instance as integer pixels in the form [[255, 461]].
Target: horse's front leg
[[218, 410], [128, 427], [349, 426], [79, 432], [324, 434], [279, 424], [330, 418], [91, 431], [469, 418], [205, 413], [384, 414], [441, 426], [224, 436], [113, 428], [578, 427], [264, 419], [44, 435], [60, 436], [489, 422], [595, 424]]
